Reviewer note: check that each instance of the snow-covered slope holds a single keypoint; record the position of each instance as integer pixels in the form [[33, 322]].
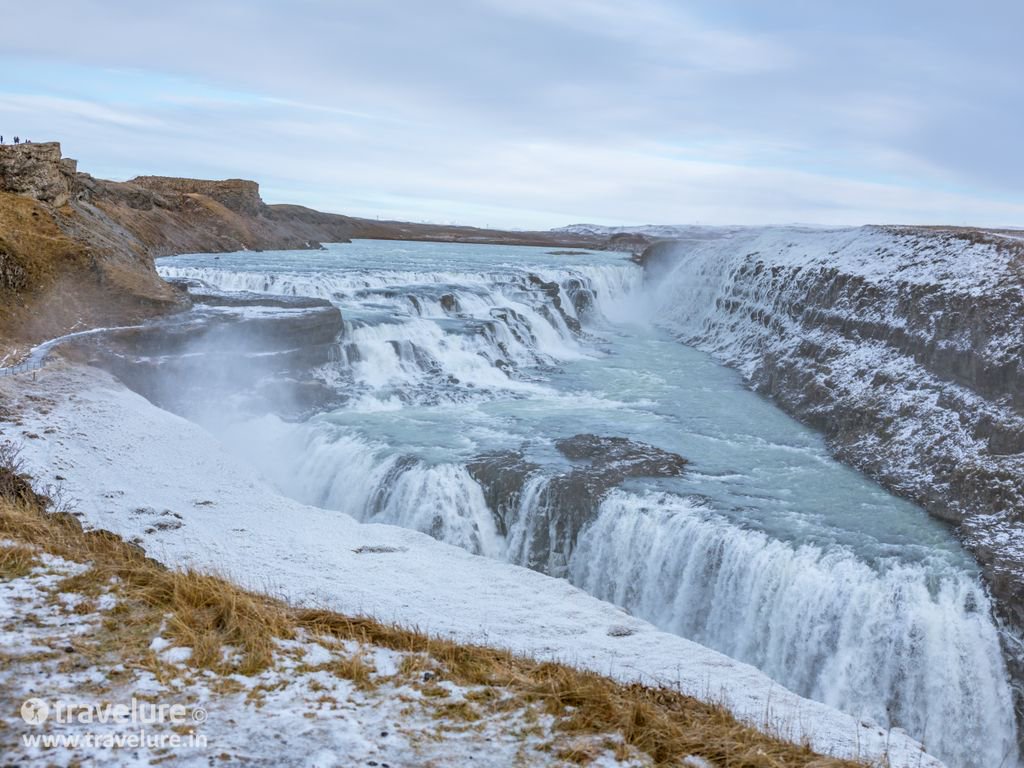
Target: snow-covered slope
[[149, 475], [904, 345]]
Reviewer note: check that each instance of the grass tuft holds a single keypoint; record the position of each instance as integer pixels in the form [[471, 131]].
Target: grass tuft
[[16, 561]]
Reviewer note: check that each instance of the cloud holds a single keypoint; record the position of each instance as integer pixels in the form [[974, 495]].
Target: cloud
[[658, 28], [538, 113], [77, 108]]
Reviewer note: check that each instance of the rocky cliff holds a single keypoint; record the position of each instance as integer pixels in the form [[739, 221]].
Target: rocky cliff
[[77, 252], [904, 345], [238, 195], [37, 171], [64, 263], [259, 351], [174, 215]]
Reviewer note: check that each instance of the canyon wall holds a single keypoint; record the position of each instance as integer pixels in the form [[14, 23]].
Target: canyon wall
[[905, 346]]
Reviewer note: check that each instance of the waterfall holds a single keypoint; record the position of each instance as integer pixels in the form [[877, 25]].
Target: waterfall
[[903, 644], [421, 336], [437, 367], [335, 470]]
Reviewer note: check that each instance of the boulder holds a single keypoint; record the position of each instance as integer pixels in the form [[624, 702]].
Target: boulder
[[562, 502]]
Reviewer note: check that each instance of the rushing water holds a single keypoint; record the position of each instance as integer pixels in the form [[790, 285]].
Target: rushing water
[[766, 548]]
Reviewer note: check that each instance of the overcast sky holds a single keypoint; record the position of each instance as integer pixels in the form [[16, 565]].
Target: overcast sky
[[538, 113]]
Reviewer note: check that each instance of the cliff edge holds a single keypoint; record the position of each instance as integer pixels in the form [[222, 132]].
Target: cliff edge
[[65, 264], [77, 252]]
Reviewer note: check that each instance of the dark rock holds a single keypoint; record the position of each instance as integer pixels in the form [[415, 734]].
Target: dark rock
[[245, 299], [621, 456], [502, 477], [580, 295], [563, 501], [189, 362], [628, 242], [553, 291], [450, 304]]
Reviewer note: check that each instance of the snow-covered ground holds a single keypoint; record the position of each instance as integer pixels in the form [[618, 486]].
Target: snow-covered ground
[[158, 479], [297, 712]]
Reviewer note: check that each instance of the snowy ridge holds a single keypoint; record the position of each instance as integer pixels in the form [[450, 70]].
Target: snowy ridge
[[128, 461], [917, 331], [654, 231]]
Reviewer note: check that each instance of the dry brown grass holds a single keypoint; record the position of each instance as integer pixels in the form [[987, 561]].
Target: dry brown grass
[[212, 616], [351, 667], [32, 246], [16, 561], [63, 268]]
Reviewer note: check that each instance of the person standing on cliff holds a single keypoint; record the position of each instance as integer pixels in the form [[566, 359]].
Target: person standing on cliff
[[16, 140]]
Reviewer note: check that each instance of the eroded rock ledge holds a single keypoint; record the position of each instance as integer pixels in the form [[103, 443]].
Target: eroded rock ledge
[[260, 351], [567, 499]]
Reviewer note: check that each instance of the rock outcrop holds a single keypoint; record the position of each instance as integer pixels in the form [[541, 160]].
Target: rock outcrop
[[547, 507], [238, 195], [63, 264], [629, 242], [260, 351], [37, 171]]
